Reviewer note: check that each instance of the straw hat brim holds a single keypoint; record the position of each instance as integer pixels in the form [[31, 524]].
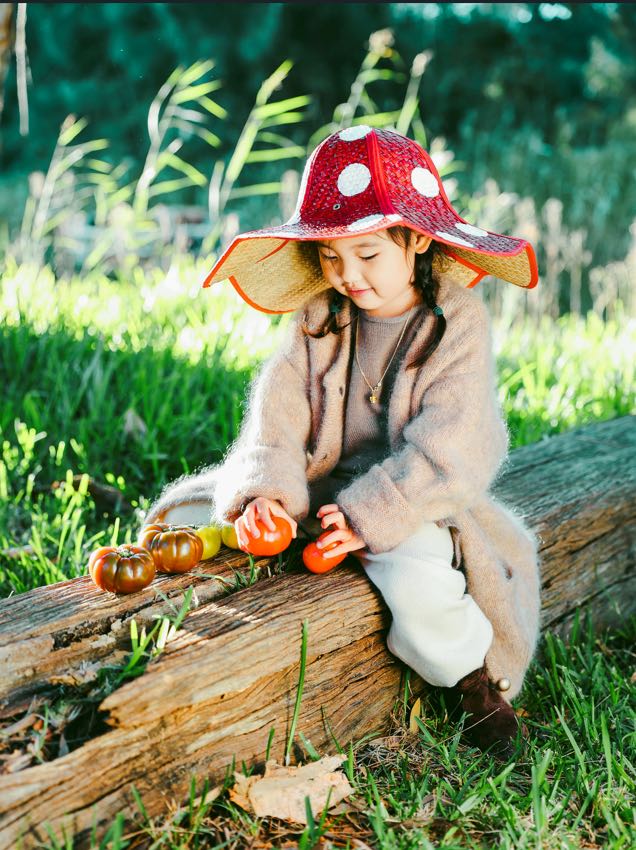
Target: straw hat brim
[[269, 271]]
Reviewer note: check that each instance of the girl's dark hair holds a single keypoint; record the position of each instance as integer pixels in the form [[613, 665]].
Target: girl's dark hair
[[425, 282]]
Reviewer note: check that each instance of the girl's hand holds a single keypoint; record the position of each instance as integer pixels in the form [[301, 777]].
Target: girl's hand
[[349, 540], [261, 508]]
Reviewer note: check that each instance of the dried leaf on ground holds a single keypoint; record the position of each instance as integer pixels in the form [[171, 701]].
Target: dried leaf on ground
[[281, 791], [415, 712]]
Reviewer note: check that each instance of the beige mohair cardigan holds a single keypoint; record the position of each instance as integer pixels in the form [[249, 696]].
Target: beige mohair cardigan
[[447, 438]]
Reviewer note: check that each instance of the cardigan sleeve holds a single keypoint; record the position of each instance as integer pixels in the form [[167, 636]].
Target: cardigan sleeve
[[269, 456], [451, 449]]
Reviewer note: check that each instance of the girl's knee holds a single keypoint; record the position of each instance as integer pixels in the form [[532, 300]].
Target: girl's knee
[[428, 541]]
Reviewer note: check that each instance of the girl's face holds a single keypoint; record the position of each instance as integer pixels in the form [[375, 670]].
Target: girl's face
[[373, 270]]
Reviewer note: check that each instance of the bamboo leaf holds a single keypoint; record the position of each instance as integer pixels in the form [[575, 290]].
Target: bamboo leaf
[[372, 74], [104, 181], [93, 145], [286, 118], [407, 113], [208, 136], [212, 107], [241, 151], [196, 71], [279, 106], [122, 195], [76, 154], [67, 134], [55, 220], [168, 186], [194, 92], [100, 165], [174, 161], [272, 154], [273, 81], [275, 139], [256, 189], [381, 119], [190, 115], [97, 254], [178, 74]]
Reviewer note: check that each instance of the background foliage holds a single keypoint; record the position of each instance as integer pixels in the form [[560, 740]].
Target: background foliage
[[119, 374], [566, 70], [537, 97]]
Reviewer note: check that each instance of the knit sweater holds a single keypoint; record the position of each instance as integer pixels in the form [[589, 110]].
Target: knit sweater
[[447, 441], [381, 342]]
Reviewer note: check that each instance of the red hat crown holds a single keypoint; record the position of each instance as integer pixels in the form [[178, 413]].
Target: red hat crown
[[359, 177]]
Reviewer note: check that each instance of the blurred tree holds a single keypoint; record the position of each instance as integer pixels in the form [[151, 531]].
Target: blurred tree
[[564, 68], [544, 79]]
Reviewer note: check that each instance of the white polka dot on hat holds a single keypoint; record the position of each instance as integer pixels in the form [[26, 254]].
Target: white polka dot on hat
[[367, 221], [351, 134], [451, 237], [354, 179], [424, 182]]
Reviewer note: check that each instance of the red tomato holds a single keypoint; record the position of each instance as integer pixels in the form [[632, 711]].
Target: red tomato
[[318, 560], [269, 542], [122, 569]]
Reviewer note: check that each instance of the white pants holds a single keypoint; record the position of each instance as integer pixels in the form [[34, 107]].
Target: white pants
[[437, 628]]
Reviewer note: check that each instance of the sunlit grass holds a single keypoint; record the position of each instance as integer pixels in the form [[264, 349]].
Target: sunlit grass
[[560, 373], [136, 381]]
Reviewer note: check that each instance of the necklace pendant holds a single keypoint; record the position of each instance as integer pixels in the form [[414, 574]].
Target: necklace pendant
[[373, 398]]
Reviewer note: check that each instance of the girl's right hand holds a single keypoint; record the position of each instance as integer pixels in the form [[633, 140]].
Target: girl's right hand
[[262, 509]]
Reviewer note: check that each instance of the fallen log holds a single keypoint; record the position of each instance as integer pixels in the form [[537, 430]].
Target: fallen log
[[230, 675]]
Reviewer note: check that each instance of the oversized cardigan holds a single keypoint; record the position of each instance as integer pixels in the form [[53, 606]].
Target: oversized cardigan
[[448, 440]]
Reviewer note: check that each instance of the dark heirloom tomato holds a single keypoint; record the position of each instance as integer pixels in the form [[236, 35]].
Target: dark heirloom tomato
[[122, 569], [175, 548]]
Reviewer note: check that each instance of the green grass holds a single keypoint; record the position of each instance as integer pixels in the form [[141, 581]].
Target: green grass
[[133, 382]]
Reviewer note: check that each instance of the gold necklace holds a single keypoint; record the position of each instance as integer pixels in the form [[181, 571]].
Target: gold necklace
[[374, 397]]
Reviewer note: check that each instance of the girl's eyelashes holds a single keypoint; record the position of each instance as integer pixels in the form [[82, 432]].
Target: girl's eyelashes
[[371, 257]]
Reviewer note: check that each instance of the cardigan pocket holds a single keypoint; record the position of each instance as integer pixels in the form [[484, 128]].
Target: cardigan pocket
[[455, 537], [457, 551]]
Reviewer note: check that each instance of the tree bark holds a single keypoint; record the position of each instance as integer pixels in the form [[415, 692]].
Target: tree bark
[[7, 40], [231, 673]]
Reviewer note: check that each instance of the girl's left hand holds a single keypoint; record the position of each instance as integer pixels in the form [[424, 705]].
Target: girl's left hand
[[349, 540]]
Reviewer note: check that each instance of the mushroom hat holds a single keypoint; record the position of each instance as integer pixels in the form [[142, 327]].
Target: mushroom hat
[[360, 180]]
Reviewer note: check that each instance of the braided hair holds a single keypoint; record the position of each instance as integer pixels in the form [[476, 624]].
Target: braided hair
[[425, 282]]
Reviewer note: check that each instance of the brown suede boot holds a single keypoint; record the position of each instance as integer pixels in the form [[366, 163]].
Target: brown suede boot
[[491, 721]]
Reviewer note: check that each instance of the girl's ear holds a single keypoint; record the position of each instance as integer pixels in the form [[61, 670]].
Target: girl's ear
[[421, 243]]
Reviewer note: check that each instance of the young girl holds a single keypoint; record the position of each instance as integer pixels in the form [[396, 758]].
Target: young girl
[[379, 415]]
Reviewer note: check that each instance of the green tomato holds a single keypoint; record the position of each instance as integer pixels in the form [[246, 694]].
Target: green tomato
[[228, 536], [211, 538]]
